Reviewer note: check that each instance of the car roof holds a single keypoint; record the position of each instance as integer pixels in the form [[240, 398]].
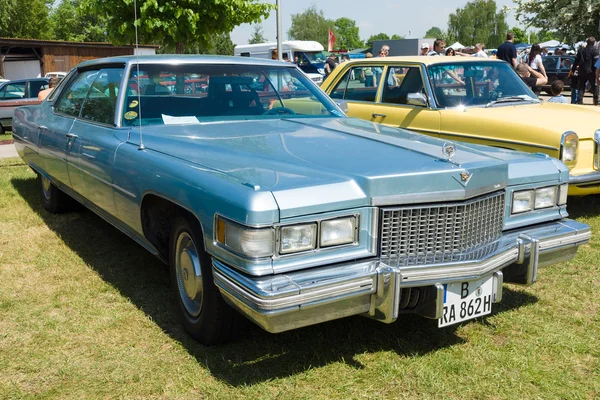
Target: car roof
[[427, 60], [185, 59]]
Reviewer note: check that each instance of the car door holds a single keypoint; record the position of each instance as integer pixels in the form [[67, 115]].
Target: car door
[[356, 91], [404, 102], [96, 138], [56, 141]]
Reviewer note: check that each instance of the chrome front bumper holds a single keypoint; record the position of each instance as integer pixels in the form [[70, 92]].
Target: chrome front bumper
[[282, 302], [593, 178]]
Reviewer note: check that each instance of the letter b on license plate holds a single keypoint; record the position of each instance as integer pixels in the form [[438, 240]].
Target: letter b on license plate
[[466, 300]]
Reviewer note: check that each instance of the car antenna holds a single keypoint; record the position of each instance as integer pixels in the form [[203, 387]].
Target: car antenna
[[137, 77]]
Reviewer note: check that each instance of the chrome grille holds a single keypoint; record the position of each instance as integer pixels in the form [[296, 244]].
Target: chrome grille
[[440, 233]]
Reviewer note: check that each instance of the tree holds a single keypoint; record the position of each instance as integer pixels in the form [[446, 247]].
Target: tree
[[379, 36], [520, 35], [478, 22], [396, 37], [27, 19], [346, 34], [310, 25], [175, 24], [434, 32], [223, 45], [573, 20], [257, 35], [71, 23]]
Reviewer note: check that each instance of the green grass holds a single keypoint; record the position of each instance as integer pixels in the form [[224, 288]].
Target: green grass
[[85, 313], [6, 136]]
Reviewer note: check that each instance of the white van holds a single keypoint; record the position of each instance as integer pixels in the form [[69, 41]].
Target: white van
[[311, 58]]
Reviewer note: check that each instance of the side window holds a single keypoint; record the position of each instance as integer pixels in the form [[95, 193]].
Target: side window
[[339, 90], [15, 91], [401, 81], [35, 87], [101, 101], [72, 97], [362, 83]]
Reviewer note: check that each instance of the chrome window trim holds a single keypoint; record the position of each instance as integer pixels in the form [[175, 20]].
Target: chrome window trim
[[597, 149]]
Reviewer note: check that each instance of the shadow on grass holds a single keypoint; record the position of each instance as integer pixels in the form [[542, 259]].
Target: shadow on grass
[[259, 356], [583, 207]]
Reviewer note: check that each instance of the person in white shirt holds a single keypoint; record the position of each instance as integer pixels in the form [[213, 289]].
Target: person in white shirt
[[438, 48]]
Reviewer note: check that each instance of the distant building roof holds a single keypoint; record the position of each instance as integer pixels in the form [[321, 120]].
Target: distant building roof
[[39, 43]]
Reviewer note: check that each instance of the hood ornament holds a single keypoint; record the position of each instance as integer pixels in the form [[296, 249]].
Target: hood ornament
[[449, 150], [465, 176]]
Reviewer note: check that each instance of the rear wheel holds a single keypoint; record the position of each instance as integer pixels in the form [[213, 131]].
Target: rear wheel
[[53, 199], [204, 313]]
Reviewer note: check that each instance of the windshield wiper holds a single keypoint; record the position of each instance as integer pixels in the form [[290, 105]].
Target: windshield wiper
[[511, 99]]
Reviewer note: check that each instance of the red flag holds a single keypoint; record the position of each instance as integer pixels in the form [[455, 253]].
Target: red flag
[[331, 41]]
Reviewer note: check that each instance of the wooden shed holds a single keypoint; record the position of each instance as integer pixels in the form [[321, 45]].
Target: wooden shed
[[29, 58]]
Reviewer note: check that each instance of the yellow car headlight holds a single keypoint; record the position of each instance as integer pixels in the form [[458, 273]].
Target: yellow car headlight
[[569, 145]]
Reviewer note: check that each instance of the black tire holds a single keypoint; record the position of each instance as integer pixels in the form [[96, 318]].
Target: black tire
[[204, 313], [1, 130], [53, 199]]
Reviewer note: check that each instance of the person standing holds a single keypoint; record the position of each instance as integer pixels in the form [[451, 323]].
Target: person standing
[[585, 62], [424, 49], [438, 48], [534, 59], [330, 64], [507, 50]]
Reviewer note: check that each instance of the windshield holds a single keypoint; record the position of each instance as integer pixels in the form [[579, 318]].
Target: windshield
[[315, 57], [194, 93], [472, 84]]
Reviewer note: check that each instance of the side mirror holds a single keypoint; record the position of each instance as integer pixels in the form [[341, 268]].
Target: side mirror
[[416, 99], [343, 105]]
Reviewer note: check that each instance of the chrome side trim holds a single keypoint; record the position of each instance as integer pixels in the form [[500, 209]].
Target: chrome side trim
[[539, 146]]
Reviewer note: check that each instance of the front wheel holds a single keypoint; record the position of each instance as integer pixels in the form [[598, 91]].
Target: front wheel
[[53, 199], [204, 313]]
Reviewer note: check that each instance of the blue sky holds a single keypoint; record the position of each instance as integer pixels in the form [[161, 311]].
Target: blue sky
[[372, 17]]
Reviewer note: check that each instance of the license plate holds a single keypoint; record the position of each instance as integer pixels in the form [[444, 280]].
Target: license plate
[[466, 300]]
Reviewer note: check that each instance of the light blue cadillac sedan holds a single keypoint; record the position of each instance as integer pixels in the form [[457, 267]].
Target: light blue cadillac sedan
[[268, 203]]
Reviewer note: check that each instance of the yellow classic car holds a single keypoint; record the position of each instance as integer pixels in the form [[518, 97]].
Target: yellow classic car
[[474, 100]]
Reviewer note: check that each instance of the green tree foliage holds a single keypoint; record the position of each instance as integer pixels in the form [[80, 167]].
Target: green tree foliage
[[434, 32], [257, 35], [520, 35], [175, 24], [71, 23], [346, 34], [478, 22], [26, 19], [396, 37], [573, 20], [544, 35], [379, 36], [311, 25], [223, 44]]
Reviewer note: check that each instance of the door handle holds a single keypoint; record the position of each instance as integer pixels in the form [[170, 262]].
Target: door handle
[[42, 127], [71, 136], [375, 115]]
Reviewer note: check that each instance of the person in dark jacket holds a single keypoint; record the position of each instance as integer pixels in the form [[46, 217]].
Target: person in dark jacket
[[584, 61]]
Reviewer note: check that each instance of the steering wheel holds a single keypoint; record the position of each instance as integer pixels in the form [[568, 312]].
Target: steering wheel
[[279, 111]]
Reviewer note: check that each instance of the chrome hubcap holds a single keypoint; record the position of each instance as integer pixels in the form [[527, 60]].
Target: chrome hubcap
[[189, 274], [46, 185]]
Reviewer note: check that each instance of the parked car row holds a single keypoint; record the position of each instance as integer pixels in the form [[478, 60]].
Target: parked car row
[[18, 93], [267, 202]]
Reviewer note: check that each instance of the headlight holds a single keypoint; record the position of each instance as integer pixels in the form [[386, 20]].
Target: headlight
[[562, 194], [568, 148], [545, 197], [597, 149], [321, 71], [250, 242], [522, 201], [339, 231], [295, 238]]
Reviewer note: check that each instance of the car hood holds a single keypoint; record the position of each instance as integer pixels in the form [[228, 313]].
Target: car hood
[[546, 117], [313, 164]]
